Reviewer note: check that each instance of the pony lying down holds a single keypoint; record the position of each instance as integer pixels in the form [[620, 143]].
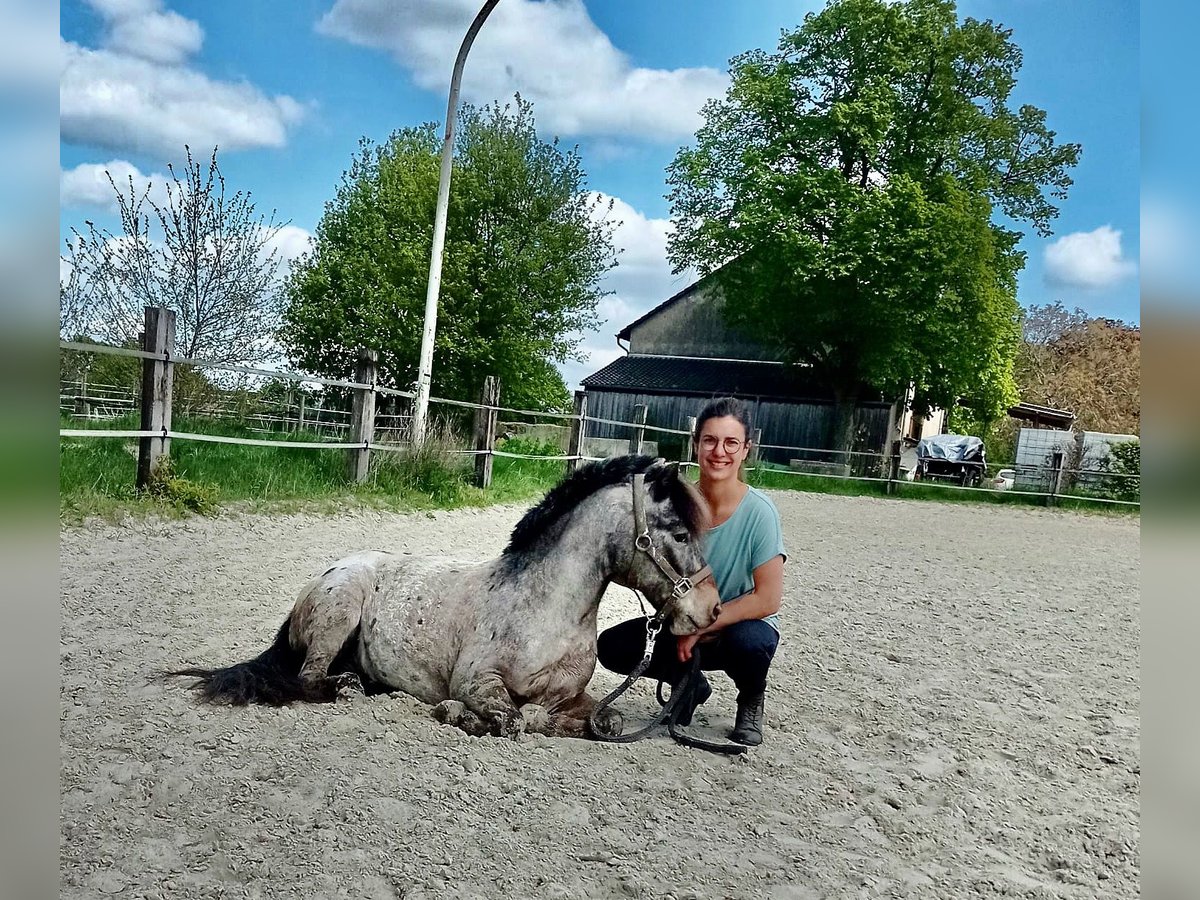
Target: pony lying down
[[502, 646]]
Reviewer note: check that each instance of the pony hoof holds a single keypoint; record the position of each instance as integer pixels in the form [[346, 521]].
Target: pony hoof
[[511, 726], [610, 723], [348, 687], [450, 712], [535, 719]]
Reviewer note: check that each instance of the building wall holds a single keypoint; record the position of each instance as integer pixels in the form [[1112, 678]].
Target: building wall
[[791, 425], [694, 326], [1035, 447]]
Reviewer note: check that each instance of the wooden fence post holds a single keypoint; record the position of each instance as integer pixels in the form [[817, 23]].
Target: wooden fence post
[[687, 442], [893, 468], [755, 439], [640, 411], [157, 380], [578, 430], [485, 430], [362, 416], [1056, 476]]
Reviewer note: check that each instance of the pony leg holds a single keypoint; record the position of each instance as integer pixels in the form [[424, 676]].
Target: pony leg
[[488, 698], [572, 719], [456, 714], [332, 647]]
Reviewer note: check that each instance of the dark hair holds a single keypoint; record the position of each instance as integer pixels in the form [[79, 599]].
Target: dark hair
[[719, 409]]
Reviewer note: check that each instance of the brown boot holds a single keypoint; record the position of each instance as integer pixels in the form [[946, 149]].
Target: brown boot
[[748, 728]]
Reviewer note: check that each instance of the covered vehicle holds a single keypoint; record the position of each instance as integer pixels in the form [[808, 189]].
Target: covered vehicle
[[957, 458]]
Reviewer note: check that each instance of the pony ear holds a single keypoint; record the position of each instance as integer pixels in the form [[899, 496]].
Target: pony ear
[[669, 469]]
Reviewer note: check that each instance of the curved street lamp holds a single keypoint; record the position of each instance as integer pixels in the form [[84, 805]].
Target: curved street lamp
[[425, 367]]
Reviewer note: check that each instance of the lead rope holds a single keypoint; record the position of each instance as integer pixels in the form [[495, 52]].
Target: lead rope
[[671, 709]]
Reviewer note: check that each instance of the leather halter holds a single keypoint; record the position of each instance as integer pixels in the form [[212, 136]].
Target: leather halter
[[681, 585]]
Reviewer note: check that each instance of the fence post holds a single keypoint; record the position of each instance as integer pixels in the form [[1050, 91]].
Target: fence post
[[755, 440], [639, 428], [687, 443], [893, 468], [485, 430], [157, 379], [1056, 476], [578, 429], [362, 416]]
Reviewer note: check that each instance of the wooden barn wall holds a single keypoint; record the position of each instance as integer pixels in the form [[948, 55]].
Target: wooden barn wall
[[798, 424]]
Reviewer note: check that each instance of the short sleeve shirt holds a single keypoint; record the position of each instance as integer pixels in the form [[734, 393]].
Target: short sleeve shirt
[[742, 543]]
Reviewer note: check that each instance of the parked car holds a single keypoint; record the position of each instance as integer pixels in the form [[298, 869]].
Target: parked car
[[1003, 480]]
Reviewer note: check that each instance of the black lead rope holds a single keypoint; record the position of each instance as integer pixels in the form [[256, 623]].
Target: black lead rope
[[681, 694]]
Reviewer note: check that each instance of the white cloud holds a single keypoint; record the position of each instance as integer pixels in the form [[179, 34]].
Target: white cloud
[[161, 37], [641, 281], [136, 94], [552, 53], [87, 184], [1088, 259], [291, 241]]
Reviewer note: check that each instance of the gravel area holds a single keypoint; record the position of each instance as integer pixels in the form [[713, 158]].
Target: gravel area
[[953, 713]]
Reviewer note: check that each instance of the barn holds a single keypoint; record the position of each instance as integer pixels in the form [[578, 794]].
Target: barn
[[682, 353]]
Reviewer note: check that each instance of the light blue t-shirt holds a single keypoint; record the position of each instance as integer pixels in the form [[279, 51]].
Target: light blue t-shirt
[[742, 543]]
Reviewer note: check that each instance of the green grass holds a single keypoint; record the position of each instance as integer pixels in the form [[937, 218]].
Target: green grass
[[765, 476], [96, 476]]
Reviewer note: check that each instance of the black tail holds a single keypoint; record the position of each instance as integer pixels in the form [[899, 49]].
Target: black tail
[[271, 678]]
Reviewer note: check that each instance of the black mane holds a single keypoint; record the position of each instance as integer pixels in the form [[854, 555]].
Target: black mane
[[663, 481]]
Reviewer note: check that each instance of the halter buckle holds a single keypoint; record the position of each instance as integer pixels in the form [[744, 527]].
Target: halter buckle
[[682, 588]]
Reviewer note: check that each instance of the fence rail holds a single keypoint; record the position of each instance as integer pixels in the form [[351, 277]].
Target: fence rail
[[363, 421]]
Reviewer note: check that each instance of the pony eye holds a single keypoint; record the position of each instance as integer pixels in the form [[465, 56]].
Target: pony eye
[[682, 537]]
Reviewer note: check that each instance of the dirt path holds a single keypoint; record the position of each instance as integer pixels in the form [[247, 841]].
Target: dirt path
[[953, 713]]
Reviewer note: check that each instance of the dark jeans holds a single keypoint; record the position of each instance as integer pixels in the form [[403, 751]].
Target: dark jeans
[[744, 651]]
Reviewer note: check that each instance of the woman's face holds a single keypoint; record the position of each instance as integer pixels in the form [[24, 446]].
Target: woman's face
[[721, 448]]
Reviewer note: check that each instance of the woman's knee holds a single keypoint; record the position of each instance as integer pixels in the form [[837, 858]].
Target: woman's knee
[[752, 637], [618, 648]]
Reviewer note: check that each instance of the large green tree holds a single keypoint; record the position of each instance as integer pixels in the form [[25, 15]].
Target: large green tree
[[849, 196], [526, 247]]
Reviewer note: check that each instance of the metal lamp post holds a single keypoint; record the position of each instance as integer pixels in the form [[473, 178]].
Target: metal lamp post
[[425, 367]]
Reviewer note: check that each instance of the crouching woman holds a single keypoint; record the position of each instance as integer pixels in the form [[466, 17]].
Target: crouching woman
[[745, 549]]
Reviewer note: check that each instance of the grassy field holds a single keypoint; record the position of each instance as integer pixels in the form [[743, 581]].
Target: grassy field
[[96, 478]]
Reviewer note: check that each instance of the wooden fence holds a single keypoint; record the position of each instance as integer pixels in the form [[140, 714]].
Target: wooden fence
[[155, 432]]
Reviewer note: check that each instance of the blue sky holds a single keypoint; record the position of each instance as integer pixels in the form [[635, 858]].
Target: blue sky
[[287, 88]]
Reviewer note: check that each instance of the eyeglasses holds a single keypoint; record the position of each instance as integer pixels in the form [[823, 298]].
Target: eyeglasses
[[731, 445]]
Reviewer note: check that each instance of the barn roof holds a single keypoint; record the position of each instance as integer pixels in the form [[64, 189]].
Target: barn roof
[[686, 376], [625, 333]]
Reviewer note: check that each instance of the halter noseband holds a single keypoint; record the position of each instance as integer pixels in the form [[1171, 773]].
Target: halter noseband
[[681, 585]]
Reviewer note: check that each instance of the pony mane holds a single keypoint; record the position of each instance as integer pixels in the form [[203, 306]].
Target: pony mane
[[664, 483]]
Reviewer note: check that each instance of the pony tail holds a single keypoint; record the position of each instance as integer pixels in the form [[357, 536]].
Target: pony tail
[[271, 678]]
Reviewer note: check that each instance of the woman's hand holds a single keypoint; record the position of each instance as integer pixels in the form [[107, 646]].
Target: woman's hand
[[685, 643]]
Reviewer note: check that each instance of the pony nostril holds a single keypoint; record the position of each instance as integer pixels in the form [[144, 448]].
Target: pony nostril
[[716, 610]]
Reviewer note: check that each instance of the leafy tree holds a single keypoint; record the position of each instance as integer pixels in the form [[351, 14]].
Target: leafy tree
[[1124, 464], [525, 250], [202, 253], [844, 194], [1091, 366]]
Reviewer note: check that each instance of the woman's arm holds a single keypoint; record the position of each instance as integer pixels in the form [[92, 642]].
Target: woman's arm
[[763, 601]]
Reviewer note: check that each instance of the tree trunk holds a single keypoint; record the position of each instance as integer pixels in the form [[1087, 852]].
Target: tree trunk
[[841, 437]]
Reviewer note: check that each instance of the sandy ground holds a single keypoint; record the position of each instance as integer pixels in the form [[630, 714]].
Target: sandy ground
[[953, 713]]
